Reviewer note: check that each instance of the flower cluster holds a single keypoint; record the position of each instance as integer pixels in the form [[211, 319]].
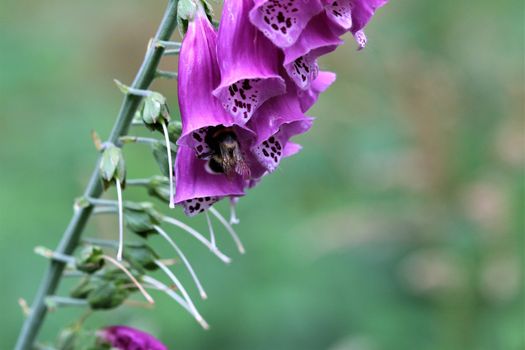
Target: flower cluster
[[244, 89]]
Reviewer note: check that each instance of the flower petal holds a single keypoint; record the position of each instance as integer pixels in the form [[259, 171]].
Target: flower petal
[[198, 76], [248, 63], [275, 123], [352, 15], [307, 98], [339, 12], [362, 12], [282, 21], [300, 59], [291, 149]]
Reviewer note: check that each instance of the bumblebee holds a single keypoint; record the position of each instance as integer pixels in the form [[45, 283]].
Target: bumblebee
[[225, 154]]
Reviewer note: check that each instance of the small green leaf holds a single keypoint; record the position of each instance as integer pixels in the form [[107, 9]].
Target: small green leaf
[[122, 87], [81, 203]]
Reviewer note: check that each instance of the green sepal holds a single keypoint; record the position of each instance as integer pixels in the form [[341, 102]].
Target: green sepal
[[208, 9], [85, 286], [107, 296], [174, 130], [90, 259], [141, 257], [112, 166], [117, 276], [186, 10], [159, 188], [141, 218]]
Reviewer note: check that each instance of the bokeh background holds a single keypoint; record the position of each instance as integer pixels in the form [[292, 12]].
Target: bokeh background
[[400, 225]]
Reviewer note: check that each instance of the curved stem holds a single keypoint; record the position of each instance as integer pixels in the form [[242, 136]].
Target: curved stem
[[120, 221], [71, 236]]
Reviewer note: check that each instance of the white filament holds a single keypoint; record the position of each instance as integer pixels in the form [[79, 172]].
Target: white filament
[[185, 294], [229, 228], [120, 221], [212, 233], [162, 287], [234, 220], [170, 163], [184, 260], [198, 236]]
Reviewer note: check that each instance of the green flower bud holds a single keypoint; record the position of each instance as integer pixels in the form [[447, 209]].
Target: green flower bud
[[112, 166], [155, 111]]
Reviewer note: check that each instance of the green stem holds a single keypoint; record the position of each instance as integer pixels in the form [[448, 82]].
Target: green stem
[[73, 232]]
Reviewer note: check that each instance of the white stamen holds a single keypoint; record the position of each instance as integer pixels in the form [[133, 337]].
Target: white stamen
[[120, 221], [198, 236], [210, 228], [234, 220], [170, 163], [184, 260], [162, 287], [185, 294], [131, 277], [229, 228]]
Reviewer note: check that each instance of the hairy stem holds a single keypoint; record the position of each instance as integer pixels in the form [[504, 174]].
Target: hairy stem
[[71, 237]]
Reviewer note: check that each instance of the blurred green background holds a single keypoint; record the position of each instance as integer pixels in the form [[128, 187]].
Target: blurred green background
[[399, 226]]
